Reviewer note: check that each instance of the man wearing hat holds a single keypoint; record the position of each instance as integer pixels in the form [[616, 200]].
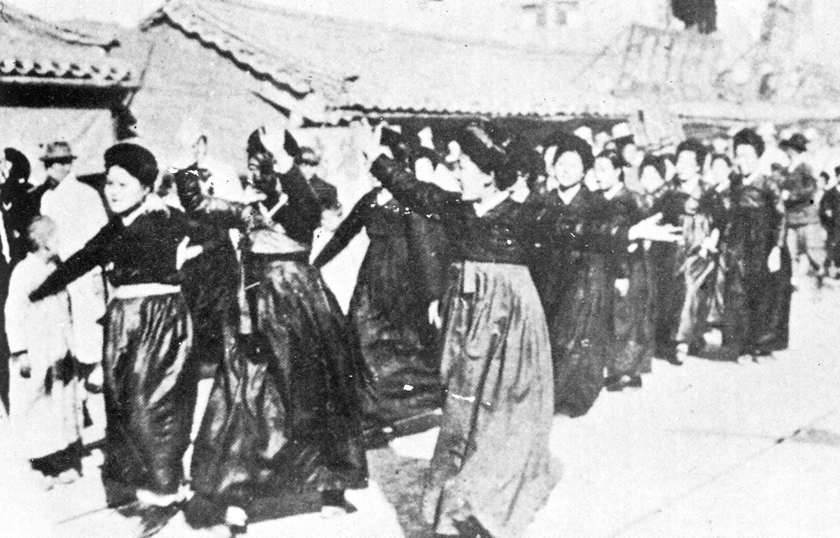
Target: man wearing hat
[[78, 212], [805, 234]]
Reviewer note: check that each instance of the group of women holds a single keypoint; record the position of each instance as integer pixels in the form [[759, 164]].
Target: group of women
[[542, 286]]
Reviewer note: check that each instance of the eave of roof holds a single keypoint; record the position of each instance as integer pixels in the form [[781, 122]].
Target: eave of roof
[[37, 52]]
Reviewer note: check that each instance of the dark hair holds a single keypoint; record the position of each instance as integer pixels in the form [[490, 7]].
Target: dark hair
[[837, 170], [566, 142], [615, 159], [525, 159], [748, 137], [20, 165], [721, 157], [134, 159], [657, 162], [693, 145], [486, 145]]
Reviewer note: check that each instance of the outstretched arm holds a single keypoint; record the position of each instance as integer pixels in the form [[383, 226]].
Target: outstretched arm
[[92, 254], [347, 230]]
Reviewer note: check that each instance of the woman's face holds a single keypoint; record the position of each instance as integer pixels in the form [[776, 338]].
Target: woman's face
[[746, 158], [123, 191], [473, 181], [606, 175], [720, 171], [569, 169], [651, 180], [687, 167]]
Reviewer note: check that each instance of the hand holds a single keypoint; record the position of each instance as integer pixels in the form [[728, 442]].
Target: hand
[[786, 195], [384, 197], [186, 252], [434, 314], [774, 260], [274, 140], [622, 285], [371, 141], [710, 243], [651, 230]]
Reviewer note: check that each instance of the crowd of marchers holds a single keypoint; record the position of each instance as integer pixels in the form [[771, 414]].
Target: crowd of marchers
[[506, 281]]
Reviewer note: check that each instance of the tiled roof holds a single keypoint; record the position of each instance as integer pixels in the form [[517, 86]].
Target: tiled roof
[[355, 65], [35, 51]]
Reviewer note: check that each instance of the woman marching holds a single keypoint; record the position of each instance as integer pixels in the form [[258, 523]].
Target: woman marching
[[572, 276], [631, 350], [284, 415], [150, 379], [491, 470], [757, 286], [389, 307]]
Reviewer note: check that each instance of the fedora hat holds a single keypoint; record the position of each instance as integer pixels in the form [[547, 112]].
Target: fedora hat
[[797, 141], [57, 151]]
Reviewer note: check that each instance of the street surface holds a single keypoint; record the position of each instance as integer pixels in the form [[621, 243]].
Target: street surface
[[706, 450]]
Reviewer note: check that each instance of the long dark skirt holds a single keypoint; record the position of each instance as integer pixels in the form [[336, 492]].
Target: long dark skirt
[[210, 287], [580, 337], [632, 349], [389, 314], [664, 261], [492, 461], [284, 415], [756, 307], [150, 389]]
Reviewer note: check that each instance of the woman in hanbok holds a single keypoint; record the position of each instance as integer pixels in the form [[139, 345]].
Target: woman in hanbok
[[46, 405], [758, 288], [284, 415], [399, 279], [210, 282], [572, 276], [491, 470], [702, 221], [630, 350], [150, 377]]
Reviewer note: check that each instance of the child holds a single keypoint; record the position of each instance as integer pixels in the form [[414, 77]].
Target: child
[[45, 397]]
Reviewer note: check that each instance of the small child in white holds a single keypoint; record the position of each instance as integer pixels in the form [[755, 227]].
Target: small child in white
[[45, 395]]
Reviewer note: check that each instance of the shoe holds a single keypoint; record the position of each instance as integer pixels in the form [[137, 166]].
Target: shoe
[[236, 520]]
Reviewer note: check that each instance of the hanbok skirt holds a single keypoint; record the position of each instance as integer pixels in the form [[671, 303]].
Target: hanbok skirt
[[580, 337], [492, 462], [150, 391], [399, 346], [632, 343], [284, 414]]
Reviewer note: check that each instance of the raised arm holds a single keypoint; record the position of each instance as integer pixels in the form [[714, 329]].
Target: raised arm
[[424, 199], [347, 230]]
